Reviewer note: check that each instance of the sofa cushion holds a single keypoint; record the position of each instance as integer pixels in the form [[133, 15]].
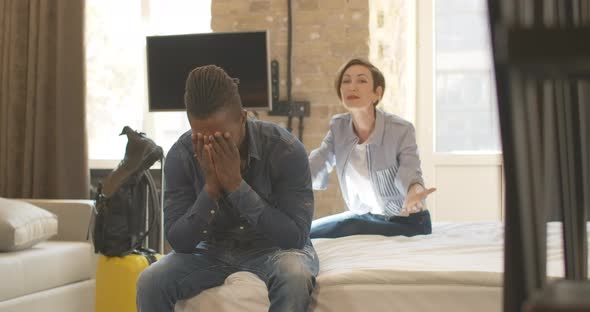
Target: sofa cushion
[[23, 225], [44, 266]]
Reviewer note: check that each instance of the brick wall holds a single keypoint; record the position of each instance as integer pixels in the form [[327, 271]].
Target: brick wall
[[326, 33]]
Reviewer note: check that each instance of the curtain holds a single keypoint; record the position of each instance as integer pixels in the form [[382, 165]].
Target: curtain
[[542, 67], [43, 145]]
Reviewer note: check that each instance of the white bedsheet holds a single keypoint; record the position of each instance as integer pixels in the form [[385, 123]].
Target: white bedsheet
[[456, 267]]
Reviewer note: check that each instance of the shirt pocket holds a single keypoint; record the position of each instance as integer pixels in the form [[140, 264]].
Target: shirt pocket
[[386, 190]]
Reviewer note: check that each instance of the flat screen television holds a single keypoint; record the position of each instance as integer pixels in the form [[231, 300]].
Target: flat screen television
[[243, 55]]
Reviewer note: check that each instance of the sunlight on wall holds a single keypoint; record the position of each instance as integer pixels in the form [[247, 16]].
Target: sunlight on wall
[[116, 93], [392, 50]]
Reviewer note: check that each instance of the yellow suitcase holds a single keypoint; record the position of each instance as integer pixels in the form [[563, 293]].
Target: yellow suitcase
[[116, 278]]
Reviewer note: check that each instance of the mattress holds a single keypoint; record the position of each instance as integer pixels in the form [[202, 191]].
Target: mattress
[[457, 267]]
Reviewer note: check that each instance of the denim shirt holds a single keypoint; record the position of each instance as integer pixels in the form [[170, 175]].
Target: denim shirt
[[392, 157], [273, 206]]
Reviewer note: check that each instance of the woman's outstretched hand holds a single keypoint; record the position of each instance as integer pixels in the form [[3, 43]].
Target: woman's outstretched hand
[[416, 196]]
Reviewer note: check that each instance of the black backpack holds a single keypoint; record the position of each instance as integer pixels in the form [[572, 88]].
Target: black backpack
[[128, 207]]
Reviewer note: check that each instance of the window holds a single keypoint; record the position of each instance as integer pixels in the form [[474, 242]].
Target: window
[[466, 117], [116, 93]]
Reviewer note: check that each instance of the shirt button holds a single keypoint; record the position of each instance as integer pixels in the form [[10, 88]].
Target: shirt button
[[204, 231]]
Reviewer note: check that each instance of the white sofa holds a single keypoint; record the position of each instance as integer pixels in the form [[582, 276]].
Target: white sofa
[[55, 275]]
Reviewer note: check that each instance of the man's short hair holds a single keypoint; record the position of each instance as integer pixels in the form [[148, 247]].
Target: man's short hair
[[210, 89]]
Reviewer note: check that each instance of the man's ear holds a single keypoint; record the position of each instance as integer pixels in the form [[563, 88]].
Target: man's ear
[[244, 115]]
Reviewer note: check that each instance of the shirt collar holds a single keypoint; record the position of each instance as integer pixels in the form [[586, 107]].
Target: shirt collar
[[253, 140], [376, 136], [379, 131]]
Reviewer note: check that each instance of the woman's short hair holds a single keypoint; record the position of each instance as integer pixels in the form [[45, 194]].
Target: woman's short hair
[[378, 79]]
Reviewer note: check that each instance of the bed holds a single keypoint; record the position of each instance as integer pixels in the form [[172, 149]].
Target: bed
[[457, 268]]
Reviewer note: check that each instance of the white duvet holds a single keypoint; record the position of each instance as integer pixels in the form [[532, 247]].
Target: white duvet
[[456, 267]]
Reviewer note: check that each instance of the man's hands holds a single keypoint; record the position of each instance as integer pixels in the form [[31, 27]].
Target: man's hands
[[219, 157], [227, 161], [204, 158], [416, 195]]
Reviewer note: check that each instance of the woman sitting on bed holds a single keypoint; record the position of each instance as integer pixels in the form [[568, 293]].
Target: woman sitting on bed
[[376, 159]]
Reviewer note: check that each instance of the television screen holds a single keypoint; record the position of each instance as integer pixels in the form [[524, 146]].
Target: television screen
[[243, 55]]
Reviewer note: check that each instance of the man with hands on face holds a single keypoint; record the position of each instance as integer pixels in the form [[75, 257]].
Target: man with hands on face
[[238, 197]]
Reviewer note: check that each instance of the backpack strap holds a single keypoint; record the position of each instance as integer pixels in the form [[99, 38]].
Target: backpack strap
[[150, 258], [149, 254]]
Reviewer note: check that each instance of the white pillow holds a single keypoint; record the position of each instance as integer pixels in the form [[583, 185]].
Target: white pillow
[[23, 225]]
